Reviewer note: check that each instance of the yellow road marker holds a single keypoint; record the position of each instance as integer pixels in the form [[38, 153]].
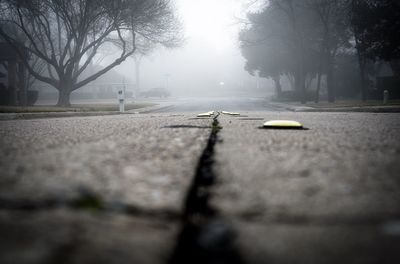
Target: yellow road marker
[[284, 124], [230, 113], [208, 114]]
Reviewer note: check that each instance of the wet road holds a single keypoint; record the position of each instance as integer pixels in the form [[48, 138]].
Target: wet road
[[187, 105]]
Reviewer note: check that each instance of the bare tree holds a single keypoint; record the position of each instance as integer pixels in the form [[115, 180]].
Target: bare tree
[[67, 35]]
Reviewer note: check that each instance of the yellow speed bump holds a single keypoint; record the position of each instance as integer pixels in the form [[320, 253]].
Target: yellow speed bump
[[208, 114], [230, 113], [283, 124]]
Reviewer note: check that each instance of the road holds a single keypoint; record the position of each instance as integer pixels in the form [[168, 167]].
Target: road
[[193, 105], [169, 187]]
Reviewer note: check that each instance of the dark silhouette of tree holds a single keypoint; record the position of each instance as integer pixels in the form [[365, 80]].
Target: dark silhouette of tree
[[376, 26], [67, 34], [264, 57], [282, 37], [25, 80], [296, 19], [334, 34], [300, 39]]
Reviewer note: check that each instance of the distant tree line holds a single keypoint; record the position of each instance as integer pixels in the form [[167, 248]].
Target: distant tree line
[[62, 37], [308, 42]]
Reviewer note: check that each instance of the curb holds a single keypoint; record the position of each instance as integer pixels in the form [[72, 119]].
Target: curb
[[358, 109], [155, 109], [292, 108], [21, 116], [39, 115]]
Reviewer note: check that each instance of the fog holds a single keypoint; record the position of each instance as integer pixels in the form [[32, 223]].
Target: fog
[[244, 48], [208, 63]]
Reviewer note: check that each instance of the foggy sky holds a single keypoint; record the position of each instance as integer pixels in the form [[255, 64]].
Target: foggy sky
[[209, 56]]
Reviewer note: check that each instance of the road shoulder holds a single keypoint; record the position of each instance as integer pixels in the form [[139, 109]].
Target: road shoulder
[[294, 107]]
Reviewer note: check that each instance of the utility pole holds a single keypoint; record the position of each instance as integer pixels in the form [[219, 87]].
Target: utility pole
[[167, 76], [137, 59]]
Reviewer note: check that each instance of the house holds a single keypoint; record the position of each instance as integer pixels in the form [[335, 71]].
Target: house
[[13, 90]]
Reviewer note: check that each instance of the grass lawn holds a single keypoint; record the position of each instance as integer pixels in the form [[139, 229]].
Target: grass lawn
[[73, 108]]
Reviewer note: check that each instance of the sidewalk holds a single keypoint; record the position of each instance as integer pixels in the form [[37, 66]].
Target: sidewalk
[[297, 107], [38, 115]]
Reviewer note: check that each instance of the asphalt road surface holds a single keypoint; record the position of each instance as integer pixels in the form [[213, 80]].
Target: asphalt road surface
[[192, 105], [169, 187]]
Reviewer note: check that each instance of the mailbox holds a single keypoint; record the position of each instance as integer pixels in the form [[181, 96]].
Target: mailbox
[[121, 100]]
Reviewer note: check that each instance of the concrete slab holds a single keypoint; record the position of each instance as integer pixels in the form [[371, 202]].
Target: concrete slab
[[342, 172], [64, 236], [307, 244], [134, 160], [96, 189]]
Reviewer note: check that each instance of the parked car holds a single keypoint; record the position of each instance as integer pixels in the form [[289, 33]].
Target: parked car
[[155, 92]]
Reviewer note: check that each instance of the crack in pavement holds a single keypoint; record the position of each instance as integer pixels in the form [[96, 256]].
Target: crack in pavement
[[87, 201], [205, 236], [316, 220], [186, 126]]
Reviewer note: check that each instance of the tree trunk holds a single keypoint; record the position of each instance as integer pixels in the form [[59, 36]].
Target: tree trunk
[[318, 88], [330, 82], [300, 83], [331, 89], [303, 89], [362, 65], [290, 78], [320, 64], [12, 81], [64, 97], [395, 65], [278, 87], [23, 87]]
